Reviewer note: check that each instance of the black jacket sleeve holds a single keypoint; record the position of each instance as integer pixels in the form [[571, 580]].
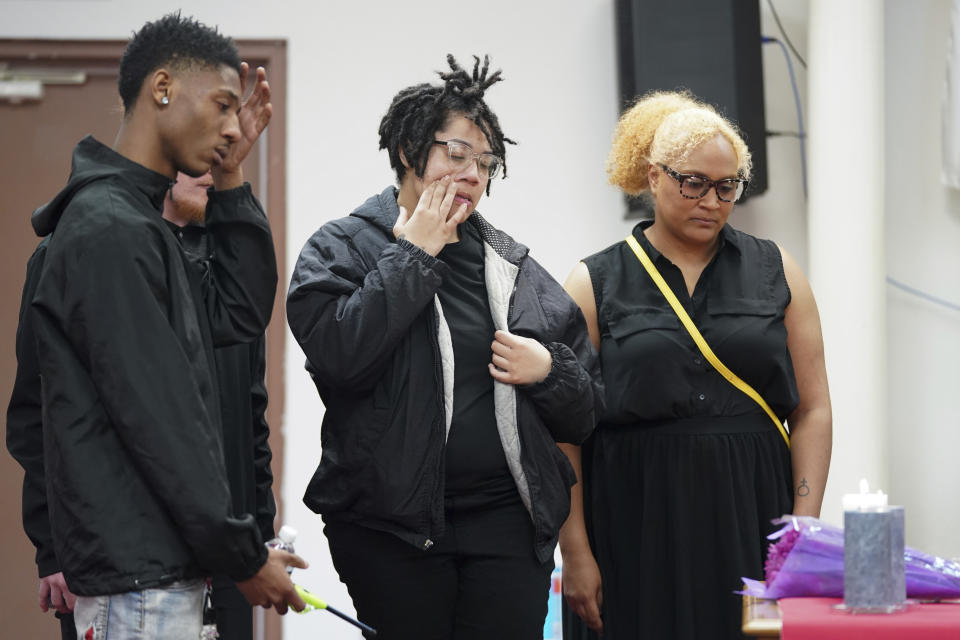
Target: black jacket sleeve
[[25, 428], [571, 398], [352, 299], [266, 507], [116, 314], [240, 283]]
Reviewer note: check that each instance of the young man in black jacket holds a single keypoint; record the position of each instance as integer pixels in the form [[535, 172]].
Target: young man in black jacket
[[125, 325], [243, 403]]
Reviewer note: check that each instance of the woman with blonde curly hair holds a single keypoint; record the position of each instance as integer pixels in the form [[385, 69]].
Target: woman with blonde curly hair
[[685, 471]]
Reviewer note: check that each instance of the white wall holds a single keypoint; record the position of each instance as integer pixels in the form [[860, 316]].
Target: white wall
[[923, 251], [559, 101]]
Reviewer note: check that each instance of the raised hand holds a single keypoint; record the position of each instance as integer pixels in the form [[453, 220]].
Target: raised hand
[[432, 224], [254, 116], [518, 360]]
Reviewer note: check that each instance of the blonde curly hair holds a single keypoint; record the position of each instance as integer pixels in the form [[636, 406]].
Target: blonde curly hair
[[666, 126]]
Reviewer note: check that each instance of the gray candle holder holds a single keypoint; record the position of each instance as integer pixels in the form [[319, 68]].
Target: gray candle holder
[[873, 572]]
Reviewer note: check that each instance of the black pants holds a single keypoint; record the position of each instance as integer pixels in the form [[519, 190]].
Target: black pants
[[234, 613], [481, 579]]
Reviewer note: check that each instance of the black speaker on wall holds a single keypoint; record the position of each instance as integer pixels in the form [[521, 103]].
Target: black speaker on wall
[[710, 47]]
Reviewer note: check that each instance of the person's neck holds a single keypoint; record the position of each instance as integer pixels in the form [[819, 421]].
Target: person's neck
[[679, 252], [139, 143]]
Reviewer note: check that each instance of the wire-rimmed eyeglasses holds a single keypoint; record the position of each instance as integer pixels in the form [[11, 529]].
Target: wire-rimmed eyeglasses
[[695, 187], [461, 154]]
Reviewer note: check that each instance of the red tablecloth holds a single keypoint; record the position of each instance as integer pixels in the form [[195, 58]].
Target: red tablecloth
[[816, 619]]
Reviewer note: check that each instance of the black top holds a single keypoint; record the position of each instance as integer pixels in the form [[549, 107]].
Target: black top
[[684, 472], [652, 368], [476, 468], [240, 370]]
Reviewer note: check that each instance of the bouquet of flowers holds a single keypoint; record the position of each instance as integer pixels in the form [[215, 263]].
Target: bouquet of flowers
[[806, 559]]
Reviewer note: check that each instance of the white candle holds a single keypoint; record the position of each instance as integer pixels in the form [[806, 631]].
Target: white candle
[[864, 500]]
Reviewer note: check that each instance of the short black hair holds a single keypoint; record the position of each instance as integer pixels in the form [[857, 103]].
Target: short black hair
[[418, 112], [172, 40]]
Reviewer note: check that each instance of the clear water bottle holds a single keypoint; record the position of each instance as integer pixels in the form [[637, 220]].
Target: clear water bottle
[[284, 541]]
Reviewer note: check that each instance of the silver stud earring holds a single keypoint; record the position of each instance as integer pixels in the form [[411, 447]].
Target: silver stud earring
[[164, 100]]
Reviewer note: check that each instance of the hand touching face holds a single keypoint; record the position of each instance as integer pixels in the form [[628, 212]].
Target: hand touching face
[[201, 122], [434, 221]]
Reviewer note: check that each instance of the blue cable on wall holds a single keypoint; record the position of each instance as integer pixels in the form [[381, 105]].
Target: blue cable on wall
[[924, 295], [801, 134]]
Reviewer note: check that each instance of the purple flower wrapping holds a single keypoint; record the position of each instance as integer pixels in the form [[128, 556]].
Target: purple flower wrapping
[[806, 559], [778, 552]]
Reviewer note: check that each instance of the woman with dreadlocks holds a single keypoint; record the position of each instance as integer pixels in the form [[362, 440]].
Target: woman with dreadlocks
[[450, 363]]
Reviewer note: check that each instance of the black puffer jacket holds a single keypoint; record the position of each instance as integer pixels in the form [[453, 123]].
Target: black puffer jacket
[[364, 308], [133, 456]]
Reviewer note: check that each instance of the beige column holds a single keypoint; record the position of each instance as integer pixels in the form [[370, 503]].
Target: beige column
[[846, 233]]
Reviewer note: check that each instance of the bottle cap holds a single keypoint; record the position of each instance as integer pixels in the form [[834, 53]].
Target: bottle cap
[[288, 534]]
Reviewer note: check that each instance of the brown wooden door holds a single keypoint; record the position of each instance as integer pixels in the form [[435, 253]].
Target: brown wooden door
[[36, 141]]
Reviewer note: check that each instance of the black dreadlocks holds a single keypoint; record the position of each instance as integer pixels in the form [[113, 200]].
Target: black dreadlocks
[[418, 112], [172, 40]]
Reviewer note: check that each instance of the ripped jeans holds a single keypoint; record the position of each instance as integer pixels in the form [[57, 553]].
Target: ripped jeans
[[174, 612]]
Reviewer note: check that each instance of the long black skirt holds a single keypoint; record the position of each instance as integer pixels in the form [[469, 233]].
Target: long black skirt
[[677, 513]]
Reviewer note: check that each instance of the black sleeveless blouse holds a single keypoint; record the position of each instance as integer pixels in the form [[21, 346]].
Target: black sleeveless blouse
[[652, 369]]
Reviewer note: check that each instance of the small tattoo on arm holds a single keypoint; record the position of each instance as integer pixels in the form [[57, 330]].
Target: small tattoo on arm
[[804, 489]]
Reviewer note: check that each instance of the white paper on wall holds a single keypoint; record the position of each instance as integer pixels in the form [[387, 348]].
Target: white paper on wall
[[950, 171]]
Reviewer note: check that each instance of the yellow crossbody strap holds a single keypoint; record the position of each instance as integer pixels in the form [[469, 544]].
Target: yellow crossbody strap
[[697, 338]]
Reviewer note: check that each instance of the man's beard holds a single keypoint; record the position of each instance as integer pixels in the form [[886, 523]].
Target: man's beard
[[193, 209]]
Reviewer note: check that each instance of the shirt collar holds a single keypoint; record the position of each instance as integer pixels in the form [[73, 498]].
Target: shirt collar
[[153, 185], [728, 238], [192, 237]]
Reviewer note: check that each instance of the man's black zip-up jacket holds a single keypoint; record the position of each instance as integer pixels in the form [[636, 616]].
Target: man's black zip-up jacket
[[25, 427], [243, 405], [363, 307], [125, 329]]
